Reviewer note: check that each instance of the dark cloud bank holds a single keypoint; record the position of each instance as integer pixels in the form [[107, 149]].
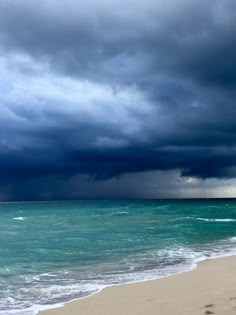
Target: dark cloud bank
[[103, 89]]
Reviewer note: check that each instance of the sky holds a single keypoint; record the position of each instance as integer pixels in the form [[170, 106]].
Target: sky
[[117, 99]]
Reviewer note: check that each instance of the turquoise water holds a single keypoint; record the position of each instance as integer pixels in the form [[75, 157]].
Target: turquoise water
[[52, 252]]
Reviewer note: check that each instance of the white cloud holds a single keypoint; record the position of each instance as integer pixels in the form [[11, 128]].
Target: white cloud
[[30, 89]]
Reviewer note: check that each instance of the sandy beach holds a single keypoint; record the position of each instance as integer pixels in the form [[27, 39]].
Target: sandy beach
[[209, 289]]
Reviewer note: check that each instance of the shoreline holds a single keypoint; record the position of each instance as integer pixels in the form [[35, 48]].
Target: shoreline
[[104, 301]]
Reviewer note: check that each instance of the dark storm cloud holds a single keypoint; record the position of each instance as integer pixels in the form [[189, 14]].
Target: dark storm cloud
[[104, 88], [101, 39]]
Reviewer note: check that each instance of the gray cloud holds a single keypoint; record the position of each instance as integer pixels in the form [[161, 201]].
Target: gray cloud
[[110, 88]]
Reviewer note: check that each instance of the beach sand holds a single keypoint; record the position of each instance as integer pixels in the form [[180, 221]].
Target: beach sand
[[209, 289]]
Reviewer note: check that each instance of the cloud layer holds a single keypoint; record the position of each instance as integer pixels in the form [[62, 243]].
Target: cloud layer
[[106, 88]]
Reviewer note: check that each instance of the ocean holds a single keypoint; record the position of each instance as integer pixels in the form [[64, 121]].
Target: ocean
[[53, 252]]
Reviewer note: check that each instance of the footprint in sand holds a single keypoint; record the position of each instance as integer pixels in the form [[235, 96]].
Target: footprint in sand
[[233, 299], [209, 309]]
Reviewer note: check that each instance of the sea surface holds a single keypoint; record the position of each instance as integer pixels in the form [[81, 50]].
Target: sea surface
[[53, 252]]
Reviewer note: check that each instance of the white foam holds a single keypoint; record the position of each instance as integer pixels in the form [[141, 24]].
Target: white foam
[[20, 218], [32, 310], [216, 220]]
